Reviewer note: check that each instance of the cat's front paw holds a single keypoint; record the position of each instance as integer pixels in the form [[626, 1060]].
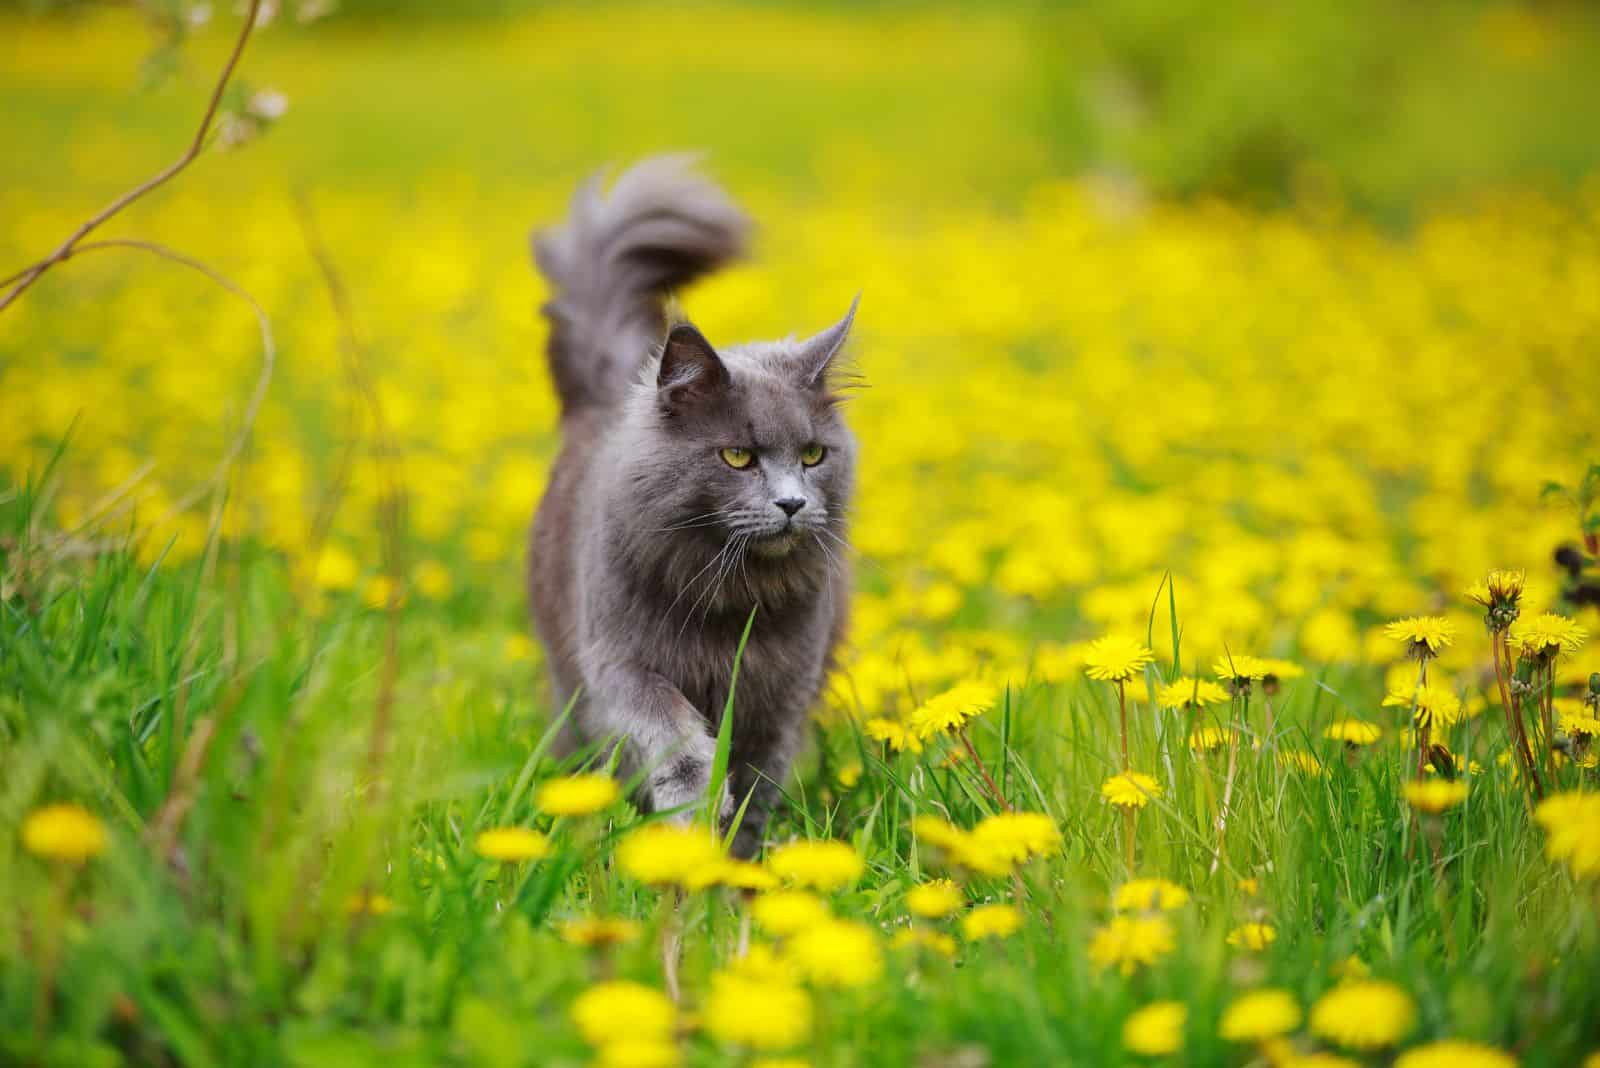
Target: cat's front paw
[[747, 839], [682, 784]]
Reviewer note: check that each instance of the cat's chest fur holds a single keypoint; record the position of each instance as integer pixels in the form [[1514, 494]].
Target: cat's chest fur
[[781, 666]]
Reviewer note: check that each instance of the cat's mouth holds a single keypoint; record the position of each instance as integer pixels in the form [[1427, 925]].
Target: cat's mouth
[[779, 543]]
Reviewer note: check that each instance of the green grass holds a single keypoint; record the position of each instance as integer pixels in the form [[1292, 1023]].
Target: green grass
[[216, 929]]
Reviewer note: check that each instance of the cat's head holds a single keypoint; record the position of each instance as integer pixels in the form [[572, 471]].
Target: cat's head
[[749, 444]]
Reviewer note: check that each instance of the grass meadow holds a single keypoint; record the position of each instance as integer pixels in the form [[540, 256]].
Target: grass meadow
[[1206, 552]]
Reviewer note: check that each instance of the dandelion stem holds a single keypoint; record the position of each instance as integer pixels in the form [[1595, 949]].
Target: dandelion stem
[[671, 941], [1122, 709], [1128, 819], [1517, 737], [54, 930], [1419, 738], [1547, 705], [1233, 767], [983, 770]]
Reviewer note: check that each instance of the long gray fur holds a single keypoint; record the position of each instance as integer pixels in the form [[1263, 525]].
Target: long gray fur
[[649, 551]]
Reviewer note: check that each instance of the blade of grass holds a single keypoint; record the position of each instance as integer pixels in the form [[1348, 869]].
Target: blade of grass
[[719, 762]]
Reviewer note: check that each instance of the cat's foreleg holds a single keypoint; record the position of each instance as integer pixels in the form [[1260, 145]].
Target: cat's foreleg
[[759, 766], [664, 737]]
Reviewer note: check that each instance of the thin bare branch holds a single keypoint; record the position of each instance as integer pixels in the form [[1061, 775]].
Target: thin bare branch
[[29, 275]]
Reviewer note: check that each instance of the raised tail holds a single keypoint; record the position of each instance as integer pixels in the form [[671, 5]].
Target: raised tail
[[615, 259]]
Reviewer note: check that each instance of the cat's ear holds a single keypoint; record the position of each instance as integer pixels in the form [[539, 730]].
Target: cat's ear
[[690, 368], [815, 354]]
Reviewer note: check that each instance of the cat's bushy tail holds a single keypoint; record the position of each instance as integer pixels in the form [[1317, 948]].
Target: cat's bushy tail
[[612, 263]]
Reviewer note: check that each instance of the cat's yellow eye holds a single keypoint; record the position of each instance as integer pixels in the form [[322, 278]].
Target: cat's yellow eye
[[812, 455], [739, 458]]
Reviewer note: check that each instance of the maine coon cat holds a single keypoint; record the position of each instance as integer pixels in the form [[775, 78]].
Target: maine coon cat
[[694, 484]]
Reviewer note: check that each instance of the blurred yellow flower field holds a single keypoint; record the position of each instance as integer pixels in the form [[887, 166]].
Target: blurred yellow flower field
[[1209, 634]]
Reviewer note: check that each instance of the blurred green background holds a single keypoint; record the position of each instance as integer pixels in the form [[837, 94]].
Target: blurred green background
[[1383, 105]]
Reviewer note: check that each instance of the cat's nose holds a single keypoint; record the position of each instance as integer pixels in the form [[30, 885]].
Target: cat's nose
[[790, 505]]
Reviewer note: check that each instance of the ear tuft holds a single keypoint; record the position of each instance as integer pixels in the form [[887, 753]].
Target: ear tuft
[[816, 354], [690, 368]]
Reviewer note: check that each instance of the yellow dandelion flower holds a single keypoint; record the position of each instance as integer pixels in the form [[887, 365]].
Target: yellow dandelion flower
[[639, 1053], [512, 844], [757, 1012], [1260, 1015], [1580, 724], [1569, 821], [1156, 1030], [335, 569], [577, 795], [380, 590], [1131, 789], [1365, 1014], [1355, 732], [1253, 936], [1145, 895], [1423, 636], [1546, 636], [922, 938], [898, 735], [849, 775], [1435, 795], [597, 931], [1249, 886], [1559, 810], [1116, 658], [1128, 942], [64, 832], [982, 857], [663, 854], [743, 875], [432, 579], [1016, 836], [1352, 967], [821, 865], [1282, 670], [991, 921], [1205, 739], [762, 964], [934, 900], [649, 1012], [1301, 761], [1191, 694], [1239, 669], [950, 710], [838, 953], [518, 648], [368, 905], [1437, 705], [939, 832], [783, 912], [1454, 1053]]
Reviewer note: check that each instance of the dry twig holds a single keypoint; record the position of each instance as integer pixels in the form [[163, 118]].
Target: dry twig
[[21, 280]]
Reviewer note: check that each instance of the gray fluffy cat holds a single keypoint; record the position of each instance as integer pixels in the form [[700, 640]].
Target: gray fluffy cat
[[693, 485]]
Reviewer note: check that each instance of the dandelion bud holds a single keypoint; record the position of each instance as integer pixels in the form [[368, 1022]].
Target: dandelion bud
[[1500, 596]]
